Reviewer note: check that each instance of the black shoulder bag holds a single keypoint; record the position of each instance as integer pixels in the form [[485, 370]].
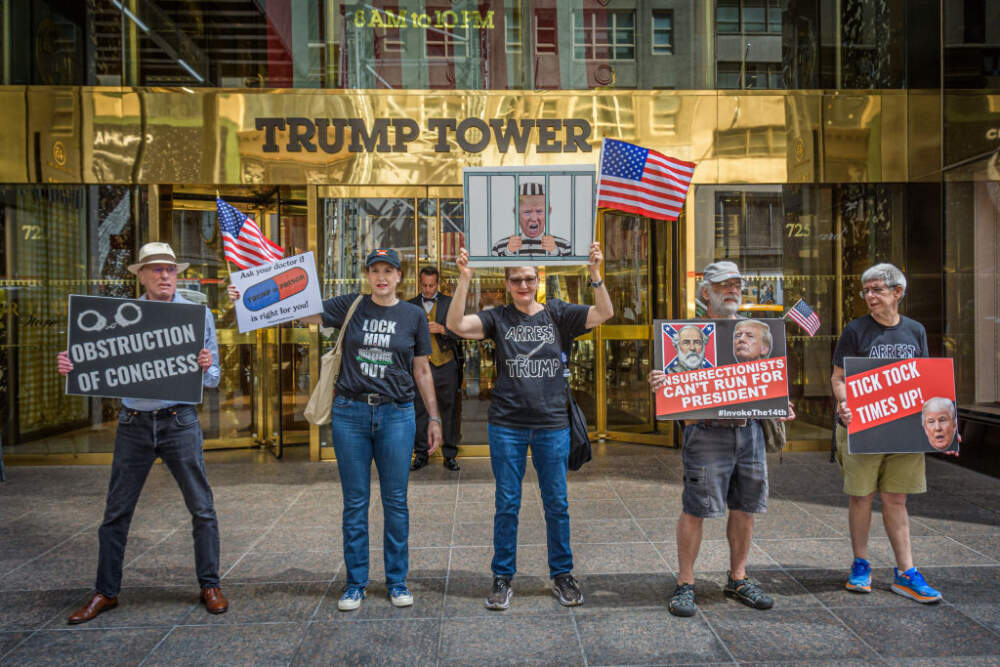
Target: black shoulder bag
[[579, 439]]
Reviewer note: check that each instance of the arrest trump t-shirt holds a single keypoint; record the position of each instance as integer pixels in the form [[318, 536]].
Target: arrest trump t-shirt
[[531, 389], [379, 346]]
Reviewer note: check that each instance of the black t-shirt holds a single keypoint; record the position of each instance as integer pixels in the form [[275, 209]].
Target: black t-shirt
[[379, 346], [864, 337], [531, 389]]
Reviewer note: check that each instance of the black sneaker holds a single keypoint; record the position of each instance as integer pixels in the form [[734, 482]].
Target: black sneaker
[[749, 592], [500, 594], [565, 587], [682, 601]]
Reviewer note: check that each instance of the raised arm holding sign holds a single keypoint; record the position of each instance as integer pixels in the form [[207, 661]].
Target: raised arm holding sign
[[165, 426]]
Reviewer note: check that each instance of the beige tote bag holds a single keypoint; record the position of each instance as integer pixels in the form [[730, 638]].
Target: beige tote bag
[[321, 400]]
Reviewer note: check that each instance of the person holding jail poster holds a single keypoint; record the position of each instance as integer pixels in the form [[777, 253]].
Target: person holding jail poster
[[385, 362], [725, 461], [446, 366], [148, 429], [882, 334], [533, 241], [530, 408]]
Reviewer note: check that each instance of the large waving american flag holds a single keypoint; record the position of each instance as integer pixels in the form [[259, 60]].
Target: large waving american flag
[[639, 180], [243, 242]]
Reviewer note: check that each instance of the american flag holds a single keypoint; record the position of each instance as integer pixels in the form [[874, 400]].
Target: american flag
[[244, 244], [805, 317], [639, 180]]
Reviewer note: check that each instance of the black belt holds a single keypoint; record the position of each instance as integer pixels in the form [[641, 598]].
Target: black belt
[[370, 399], [721, 423], [162, 412]]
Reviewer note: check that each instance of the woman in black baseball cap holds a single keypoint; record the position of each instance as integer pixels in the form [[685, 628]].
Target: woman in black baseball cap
[[385, 361]]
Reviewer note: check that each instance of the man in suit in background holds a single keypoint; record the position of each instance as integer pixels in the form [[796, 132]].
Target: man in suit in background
[[446, 367]]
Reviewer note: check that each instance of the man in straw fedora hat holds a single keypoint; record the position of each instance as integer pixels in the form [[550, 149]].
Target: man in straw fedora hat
[[148, 429]]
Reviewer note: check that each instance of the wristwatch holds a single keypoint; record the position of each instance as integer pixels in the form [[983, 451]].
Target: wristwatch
[[596, 283], [437, 419]]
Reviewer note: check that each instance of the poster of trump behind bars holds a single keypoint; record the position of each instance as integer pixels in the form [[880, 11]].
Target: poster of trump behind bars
[[529, 216]]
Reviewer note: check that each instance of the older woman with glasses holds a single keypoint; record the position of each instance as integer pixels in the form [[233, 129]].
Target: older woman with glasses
[[529, 408], [883, 334]]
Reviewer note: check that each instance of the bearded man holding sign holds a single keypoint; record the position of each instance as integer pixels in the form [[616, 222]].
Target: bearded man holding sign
[[148, 429], [882, 334], [725, 461]]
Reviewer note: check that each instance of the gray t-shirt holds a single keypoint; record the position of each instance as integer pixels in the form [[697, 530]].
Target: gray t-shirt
[[531, 388], [379, 346]]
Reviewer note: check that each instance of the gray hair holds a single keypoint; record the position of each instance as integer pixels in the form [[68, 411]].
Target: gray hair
[[765, 333], [701, 332], [887, 273], [938, 404]]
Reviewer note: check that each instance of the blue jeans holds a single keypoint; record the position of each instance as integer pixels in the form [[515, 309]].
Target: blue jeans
[[174, 435], [363, 432], [508, 456]]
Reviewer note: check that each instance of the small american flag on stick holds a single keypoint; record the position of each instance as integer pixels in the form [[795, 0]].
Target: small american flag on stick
[[804, 316], [640, 180], [243, 242]]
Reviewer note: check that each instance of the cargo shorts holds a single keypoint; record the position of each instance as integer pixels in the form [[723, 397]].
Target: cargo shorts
[[864, 474], [724, 467]]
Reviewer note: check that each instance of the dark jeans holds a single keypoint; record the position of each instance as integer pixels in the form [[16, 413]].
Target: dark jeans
[[361, 433], [508, 457], [447, 380], [174, 435]]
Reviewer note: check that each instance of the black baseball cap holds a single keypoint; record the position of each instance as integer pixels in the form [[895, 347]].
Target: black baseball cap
[[387, 255]]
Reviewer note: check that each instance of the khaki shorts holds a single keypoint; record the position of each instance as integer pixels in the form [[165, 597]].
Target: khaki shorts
[[888, 473]]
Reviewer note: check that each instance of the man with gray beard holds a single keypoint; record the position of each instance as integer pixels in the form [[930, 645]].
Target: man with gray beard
[[690, 345], [725, 467]]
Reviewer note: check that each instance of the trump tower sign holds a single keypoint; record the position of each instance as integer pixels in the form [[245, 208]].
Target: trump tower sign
[[135, 348], [721, 369]]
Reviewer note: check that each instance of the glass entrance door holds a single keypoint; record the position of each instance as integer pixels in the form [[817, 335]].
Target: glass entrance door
[[265, 373]]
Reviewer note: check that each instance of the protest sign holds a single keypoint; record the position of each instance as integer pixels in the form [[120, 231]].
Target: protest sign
[[274, 293], [721, 369], [901, 405], [529, 216], [135, 348]]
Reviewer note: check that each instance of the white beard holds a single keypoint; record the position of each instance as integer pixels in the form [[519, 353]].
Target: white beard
[[718, 305]]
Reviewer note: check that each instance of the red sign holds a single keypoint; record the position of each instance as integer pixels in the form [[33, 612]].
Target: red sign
[[733, 384], [897, 390]]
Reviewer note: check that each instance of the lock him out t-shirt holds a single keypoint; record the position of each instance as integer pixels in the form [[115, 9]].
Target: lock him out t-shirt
[[531, 389], [379, 346]]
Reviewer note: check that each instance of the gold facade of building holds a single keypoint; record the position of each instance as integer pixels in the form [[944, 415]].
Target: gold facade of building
[[337, 171]]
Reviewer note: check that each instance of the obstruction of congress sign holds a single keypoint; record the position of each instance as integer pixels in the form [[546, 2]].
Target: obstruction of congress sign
[[135, 348], [279, 292], [721, 369], [901, 405]]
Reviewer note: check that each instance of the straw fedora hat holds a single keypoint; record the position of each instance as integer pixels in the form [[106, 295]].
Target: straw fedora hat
[[157, 253]]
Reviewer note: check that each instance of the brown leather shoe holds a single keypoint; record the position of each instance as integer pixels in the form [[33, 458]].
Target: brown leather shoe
[[215, 602], [94, 606]]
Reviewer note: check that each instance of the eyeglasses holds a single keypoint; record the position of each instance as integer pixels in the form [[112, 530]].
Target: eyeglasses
[[527, 282], [877, 291], [735, 283]]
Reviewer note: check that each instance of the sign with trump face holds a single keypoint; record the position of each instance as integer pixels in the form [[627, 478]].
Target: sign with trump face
[[721, 369], [901, 405], [529, 216]]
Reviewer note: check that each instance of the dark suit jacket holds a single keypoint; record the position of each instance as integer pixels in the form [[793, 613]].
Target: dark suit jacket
[[448, 341]]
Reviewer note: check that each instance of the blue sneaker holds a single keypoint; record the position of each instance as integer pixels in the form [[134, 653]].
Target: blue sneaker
[[860, 580], [911, 584], [352, 597], [399, 595]]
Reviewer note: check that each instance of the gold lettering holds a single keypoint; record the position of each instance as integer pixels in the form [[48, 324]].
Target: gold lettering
[[359, 18], [376, 20], [487, 23], [454, 18], [421, 20], [395, 20]]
